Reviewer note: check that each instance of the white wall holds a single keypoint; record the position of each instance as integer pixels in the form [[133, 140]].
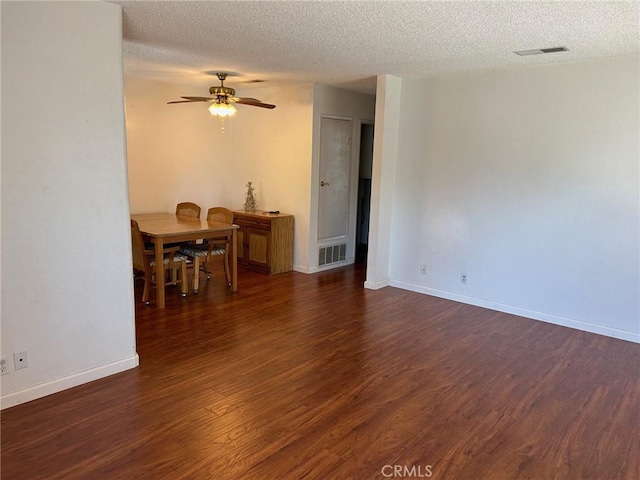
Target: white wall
[[179, 152], [526, 180], [67, 291], [173, 150], [334, 102]]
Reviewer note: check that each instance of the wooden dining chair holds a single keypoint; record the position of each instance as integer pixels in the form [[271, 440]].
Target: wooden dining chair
[[223, 215], [144, 261], [201, 254], [188, 209]]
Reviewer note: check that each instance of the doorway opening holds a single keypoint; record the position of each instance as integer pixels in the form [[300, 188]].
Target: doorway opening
[[364, 191]]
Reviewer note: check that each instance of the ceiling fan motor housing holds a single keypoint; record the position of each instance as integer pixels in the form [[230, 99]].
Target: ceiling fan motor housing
[[222, 91]]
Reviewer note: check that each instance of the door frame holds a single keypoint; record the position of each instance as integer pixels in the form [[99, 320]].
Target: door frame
[[314, 245], [371, 123]]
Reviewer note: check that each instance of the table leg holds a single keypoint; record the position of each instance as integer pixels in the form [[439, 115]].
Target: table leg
[[159, 272], [234, 260]]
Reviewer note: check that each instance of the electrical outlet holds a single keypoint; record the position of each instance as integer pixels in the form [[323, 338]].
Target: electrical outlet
[[463, 278], [20, 360], [4, 365], [423, 269]]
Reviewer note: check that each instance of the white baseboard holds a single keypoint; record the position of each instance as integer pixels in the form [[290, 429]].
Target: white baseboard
[[523, 312], [55, 386], [378, 285], [301, 269]]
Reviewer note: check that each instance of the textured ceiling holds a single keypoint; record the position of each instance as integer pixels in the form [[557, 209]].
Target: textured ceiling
[[346, 44]]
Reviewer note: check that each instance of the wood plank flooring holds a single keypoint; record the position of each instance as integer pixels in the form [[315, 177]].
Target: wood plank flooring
[[313, 377]]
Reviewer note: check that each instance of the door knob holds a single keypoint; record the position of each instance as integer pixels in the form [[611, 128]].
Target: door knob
[[323, 183]]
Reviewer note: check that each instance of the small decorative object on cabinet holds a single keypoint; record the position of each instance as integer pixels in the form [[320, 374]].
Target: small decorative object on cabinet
[[265, 241], [250, 199]]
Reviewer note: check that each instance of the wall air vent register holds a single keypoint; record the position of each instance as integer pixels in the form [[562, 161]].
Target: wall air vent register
[[332, 254]]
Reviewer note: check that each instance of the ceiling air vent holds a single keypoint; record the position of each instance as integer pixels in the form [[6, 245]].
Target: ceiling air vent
[[539, 51]]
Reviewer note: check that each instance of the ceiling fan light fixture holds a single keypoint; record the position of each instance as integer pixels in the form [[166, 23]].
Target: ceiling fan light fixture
[[222, 109]]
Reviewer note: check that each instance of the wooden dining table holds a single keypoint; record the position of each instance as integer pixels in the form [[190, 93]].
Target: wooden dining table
[[162, 228]]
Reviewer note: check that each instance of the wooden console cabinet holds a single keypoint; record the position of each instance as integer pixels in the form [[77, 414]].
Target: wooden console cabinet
[[265, 241]]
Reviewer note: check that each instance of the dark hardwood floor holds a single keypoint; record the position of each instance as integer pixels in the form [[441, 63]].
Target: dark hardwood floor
[[311, 376]]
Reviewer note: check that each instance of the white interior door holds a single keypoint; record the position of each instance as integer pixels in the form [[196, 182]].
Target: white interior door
[[335, 165]]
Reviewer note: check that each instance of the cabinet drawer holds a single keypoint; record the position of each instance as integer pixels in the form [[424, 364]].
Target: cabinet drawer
[[252, 221], [259, 226]]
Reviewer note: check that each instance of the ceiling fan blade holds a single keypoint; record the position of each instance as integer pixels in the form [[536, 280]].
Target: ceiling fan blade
[[193, 99], [254, 102], [199, 99], [246, 99]]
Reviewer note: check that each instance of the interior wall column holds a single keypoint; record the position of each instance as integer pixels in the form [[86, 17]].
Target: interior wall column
[[385, 154]]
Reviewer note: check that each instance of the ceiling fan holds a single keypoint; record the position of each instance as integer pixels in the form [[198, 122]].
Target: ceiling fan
[[223, 98]]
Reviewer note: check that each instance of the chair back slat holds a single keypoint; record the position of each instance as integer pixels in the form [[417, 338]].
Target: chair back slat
[[188, 209], [220, 214]]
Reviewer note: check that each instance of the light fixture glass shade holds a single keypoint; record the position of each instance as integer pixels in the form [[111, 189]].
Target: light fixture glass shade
[[222, 109]]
